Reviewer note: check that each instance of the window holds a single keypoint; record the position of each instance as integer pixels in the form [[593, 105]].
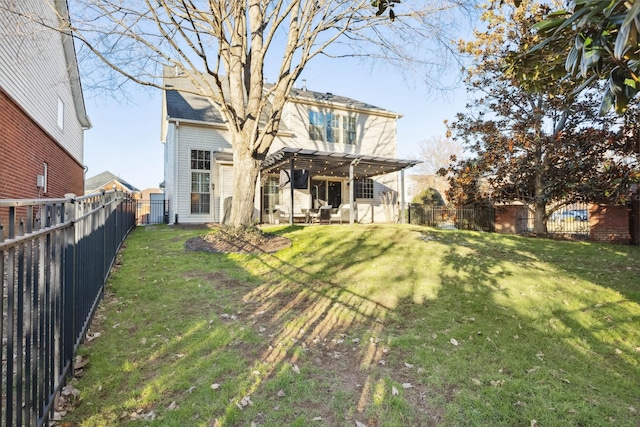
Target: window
[[271, 193], [200, 182], [60, 114], [332, 127], [364, 189], [349, 129], [316, 132]]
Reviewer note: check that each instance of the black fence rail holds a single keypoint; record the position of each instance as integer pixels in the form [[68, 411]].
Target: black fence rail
[[572, 220], [149, 212], [55, 256], [479, 218]]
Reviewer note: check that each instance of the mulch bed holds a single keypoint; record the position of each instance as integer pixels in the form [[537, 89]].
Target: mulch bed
[[222, 242]]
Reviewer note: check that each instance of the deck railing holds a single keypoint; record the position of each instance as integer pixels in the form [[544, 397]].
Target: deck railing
[[55, 257]]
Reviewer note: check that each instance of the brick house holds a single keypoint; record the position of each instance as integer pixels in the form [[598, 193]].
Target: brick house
[[42, 111]]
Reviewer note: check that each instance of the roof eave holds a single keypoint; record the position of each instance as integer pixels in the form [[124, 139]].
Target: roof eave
[[72, 68]]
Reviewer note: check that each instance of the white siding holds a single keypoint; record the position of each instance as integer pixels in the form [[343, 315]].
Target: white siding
[[375, 134], [193, 137], [34, 72], [170, 171]]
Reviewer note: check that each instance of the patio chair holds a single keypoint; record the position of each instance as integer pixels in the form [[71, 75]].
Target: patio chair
[[342, 214], [280, 214], [324, 214]]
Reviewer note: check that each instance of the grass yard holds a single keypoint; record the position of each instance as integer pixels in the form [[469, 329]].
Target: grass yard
[[384, 325]]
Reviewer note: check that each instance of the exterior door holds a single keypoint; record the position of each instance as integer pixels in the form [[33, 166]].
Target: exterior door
[[226, 191]]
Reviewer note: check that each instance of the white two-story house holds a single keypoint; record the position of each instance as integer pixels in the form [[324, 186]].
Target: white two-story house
[[327, 141]]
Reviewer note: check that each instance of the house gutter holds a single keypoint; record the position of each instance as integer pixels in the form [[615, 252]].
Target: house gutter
[[62, 10]]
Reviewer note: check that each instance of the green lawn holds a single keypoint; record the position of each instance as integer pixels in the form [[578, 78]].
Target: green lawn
[[386, 325]]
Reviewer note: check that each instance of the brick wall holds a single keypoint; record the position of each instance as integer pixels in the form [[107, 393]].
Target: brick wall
[[509, 218], [24, 148], [609, 223]]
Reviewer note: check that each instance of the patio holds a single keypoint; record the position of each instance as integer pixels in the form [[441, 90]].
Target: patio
[[345, 167]]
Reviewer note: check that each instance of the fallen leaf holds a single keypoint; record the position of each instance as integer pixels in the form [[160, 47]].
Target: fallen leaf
[[618, 351], [69, 390], [632, 409], [80, 362], [295, 369], [172, 407], [476, 381], [91, 337], [498, 383], [453, 341], [359, 424], [215, 386], [382, 362], [394, 391], [532, 370], [408, 365], [406, 385], [565, 380], [533, 423], [281, 394]]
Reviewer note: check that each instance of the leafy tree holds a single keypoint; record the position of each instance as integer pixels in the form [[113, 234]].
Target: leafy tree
[[606, 46], [534, 138], [428, 197], [224, 47]]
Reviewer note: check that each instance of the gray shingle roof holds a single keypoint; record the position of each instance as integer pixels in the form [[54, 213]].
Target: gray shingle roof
[[187, 106], [95, 182], [181, 104]]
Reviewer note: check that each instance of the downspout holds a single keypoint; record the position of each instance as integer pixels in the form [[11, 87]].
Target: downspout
[[291, 165], [174, 196], [352, 200], [402, 201]]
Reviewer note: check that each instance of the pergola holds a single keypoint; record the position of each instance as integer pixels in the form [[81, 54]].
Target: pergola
[[340, 165]]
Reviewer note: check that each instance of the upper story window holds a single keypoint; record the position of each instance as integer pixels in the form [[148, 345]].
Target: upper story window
[[331, 127], [349, 130]]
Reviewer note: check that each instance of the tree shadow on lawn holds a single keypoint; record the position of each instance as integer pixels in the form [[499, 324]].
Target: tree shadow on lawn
[[314, 339], [548, 343]]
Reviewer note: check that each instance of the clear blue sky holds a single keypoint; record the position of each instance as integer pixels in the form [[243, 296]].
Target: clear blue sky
[[125, 138]]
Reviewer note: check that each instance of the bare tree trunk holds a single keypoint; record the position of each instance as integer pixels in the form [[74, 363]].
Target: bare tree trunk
[[246, 169]]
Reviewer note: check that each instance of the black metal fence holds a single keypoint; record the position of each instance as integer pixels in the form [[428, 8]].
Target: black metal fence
[[572, 220], [149, 212], [55, 257], [479, 218]]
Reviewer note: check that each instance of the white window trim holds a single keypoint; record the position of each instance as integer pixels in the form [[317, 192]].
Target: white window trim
[[203, 171], [339, 132]]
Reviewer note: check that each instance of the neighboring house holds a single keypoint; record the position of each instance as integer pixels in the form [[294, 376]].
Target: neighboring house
[[107, 181], [321, 137], [42, 111]]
